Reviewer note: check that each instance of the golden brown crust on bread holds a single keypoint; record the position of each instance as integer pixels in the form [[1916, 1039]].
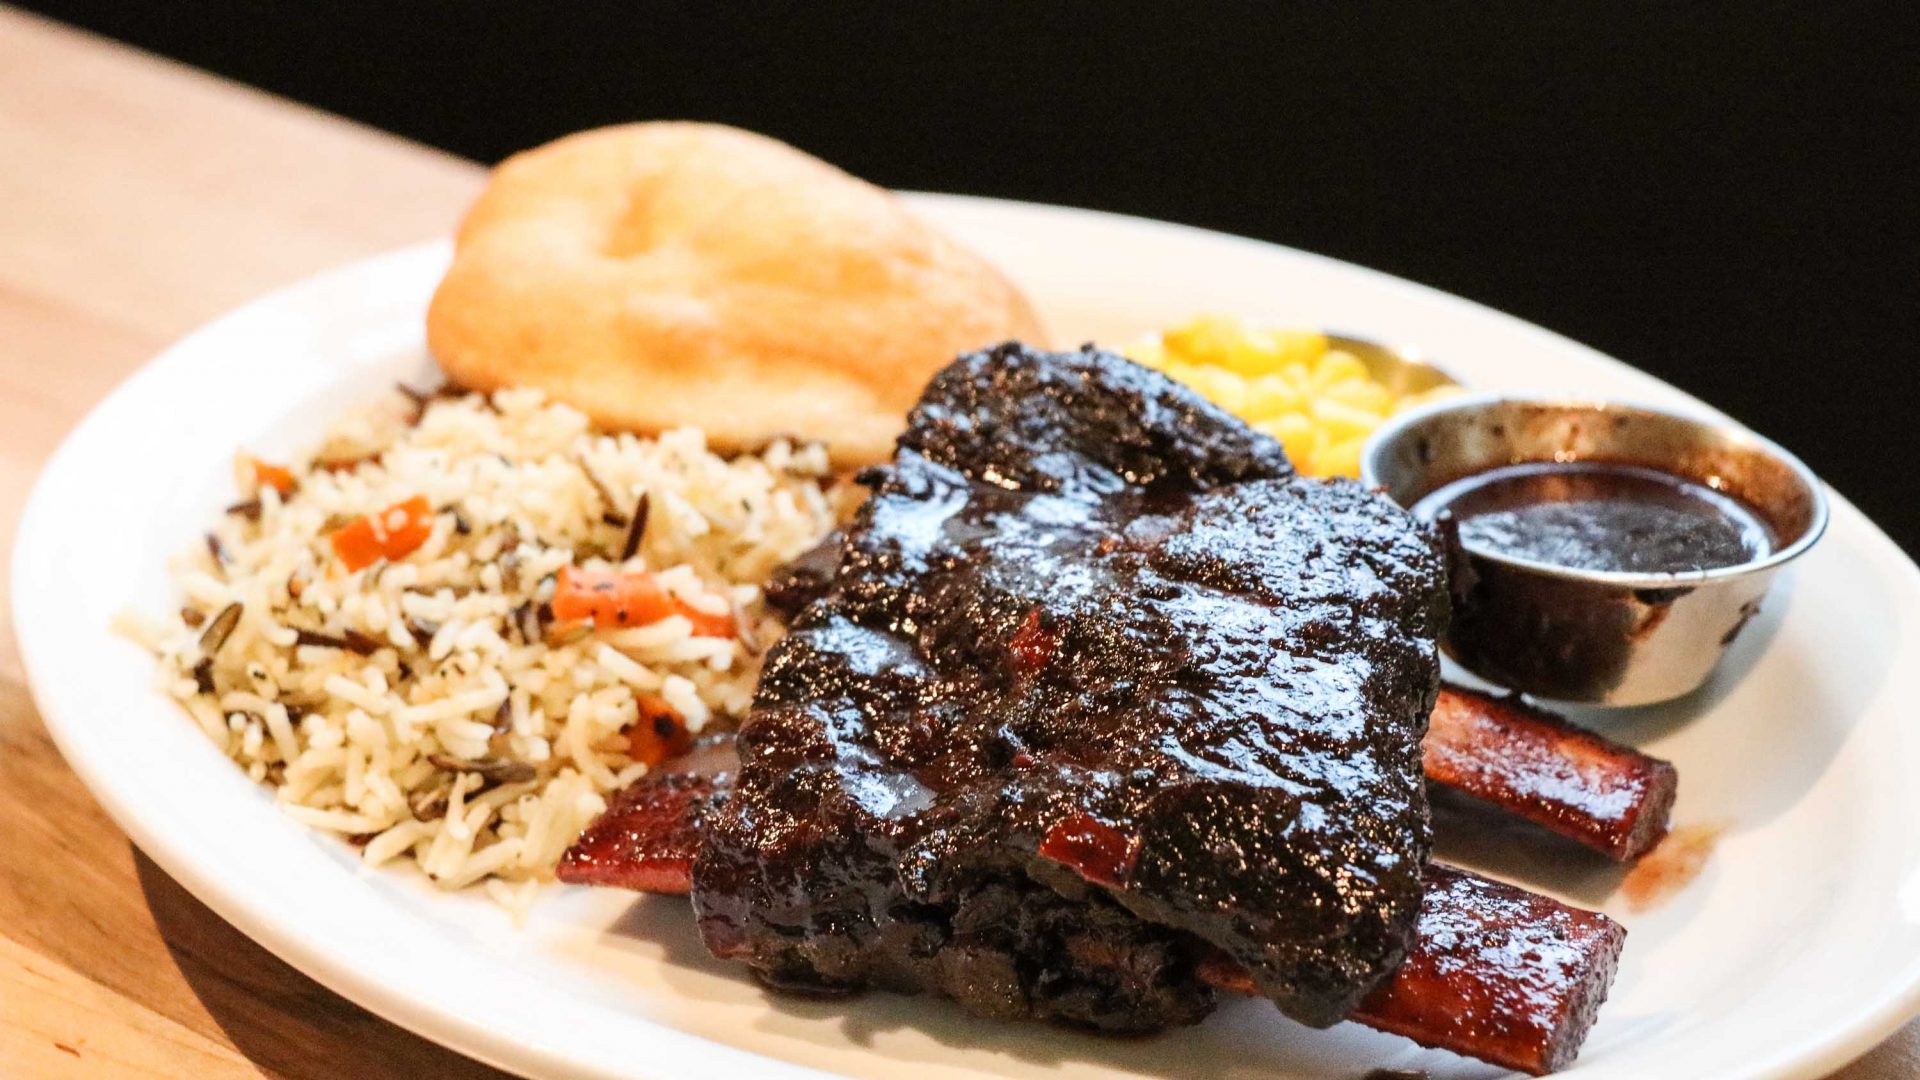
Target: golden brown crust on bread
[[664, 274]]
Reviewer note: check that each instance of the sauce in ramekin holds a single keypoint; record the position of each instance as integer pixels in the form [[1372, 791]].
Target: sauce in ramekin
[[1601, 516]]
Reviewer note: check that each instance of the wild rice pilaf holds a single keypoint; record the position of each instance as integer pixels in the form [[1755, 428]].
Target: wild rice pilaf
[[542, 609]]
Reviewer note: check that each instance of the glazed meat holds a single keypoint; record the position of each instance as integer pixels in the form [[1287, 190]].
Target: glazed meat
[[1498, 752], [1500, 974], [1098, 689], [652, 830], [1535, 765], [1495, 972], [1013, 754]]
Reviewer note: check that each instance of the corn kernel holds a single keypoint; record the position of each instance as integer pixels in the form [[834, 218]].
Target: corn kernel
[[1343, 421], [1364, 394], [1266, 352], [1339, 458], [1297, 434], [1250, 356], [1296, 346], [1269, 396], [1208, 339], [1336, 366]]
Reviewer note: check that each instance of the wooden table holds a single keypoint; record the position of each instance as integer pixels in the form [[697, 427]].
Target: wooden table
[[137, 200]]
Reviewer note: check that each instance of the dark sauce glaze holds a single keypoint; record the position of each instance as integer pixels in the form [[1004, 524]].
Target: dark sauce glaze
[[1538, 767], [1526, 975], [1096, 682], [649, 835], [1496, 973], [1599, 516]]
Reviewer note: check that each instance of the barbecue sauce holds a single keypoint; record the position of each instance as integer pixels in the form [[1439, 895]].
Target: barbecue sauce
[[1598, 516]]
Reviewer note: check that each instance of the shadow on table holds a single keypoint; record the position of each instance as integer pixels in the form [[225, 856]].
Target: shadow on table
[[281, 1020]]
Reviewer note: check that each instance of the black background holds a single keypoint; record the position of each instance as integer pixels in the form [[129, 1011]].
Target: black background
[[1724, 195]]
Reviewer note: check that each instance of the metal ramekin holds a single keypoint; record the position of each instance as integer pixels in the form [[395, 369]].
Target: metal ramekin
[[1595, 637]]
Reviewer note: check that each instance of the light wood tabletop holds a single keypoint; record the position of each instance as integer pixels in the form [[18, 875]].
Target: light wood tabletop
[[138, 199]]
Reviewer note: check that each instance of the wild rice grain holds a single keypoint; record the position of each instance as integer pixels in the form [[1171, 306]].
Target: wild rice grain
[[429, 703]]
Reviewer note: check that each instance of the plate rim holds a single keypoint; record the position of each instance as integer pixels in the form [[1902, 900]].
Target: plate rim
[[1834, 1047]]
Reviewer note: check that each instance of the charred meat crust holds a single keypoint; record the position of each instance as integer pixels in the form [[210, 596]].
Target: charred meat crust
[[1497, 751], [1495, 972], [1090, 647]]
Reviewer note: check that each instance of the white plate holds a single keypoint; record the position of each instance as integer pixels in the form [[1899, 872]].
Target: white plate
[[1798, 948]]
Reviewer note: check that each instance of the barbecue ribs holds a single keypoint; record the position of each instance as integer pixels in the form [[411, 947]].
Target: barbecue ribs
[[1098, 687], [1495, 972], [1097, 710]]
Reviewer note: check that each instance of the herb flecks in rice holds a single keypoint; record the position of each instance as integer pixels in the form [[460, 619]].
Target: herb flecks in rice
[[429, 707]]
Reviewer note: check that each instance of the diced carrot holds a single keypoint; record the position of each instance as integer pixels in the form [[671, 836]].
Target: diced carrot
[[276, 477], [391, 534], [610, 598], [659, 734]]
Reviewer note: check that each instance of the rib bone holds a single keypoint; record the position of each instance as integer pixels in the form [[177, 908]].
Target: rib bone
[[1495, 973], [1537, 766]]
